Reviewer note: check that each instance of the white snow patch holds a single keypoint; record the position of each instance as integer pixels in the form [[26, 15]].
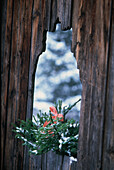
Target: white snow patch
[[72, 159]]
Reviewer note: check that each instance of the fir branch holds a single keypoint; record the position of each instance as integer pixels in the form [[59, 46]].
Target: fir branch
[[65, 111]]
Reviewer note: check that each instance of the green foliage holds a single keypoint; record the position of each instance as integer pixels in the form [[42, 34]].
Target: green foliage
[[48, 132]]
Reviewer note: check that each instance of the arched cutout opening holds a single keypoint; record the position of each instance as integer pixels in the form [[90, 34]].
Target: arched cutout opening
[[57, 76]]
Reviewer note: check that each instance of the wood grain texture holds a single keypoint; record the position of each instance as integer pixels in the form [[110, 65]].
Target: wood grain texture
[[24, 27], [15, 79], [108, 140], [92, 46], [49, 161]]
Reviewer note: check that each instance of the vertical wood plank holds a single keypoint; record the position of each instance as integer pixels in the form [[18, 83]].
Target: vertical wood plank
[[91, 46], [5, 58], [108, 140], [15, 78]]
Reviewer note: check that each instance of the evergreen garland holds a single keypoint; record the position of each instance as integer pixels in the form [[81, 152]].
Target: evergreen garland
[[50, 132]]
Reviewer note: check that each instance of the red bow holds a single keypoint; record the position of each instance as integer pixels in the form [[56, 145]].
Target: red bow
[[54, 111]]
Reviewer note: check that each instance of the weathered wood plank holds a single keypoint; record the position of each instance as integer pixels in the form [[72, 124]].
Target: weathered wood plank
[[92, 44], [15, 78], [50, 161], [5, 60], [108, 140]]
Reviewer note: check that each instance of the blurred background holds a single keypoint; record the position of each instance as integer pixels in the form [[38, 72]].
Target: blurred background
[[57, 76]]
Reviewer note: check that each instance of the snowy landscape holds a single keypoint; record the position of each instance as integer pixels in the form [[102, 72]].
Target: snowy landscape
[[57, 76]]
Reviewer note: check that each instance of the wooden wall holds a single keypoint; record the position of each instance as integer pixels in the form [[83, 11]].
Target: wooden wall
[[23, 36], [94, 34]]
